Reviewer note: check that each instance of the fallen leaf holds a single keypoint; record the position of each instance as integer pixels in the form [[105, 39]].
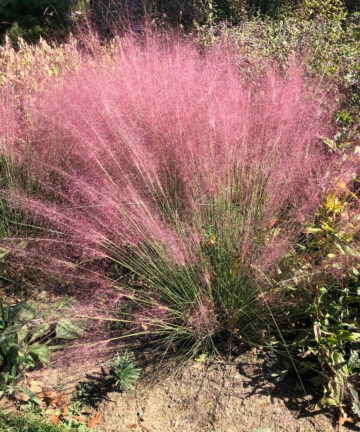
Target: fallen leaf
[[343, 420], [52, 412], [201, 358], [86, 411], [79, 419], [36, 386], [132, 426], [64, 410], [272, 223], [93, 422], [55, 399], [55, 419], [21, 396]]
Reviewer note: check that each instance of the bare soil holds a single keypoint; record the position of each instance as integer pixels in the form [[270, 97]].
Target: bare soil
[[215, 396], [211, 396]]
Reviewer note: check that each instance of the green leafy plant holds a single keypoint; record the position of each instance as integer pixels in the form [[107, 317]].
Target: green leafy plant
[[326, 326], [123, 374], [25, 423], [25, 335], [86, 392], [21, 336], [335, 329], [36, 18]]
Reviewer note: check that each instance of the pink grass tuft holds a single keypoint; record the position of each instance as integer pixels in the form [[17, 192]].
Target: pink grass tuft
[[131, 150]]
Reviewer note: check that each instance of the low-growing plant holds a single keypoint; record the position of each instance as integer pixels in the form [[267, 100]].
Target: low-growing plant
[[85, 391], [324, 340], [123, 374], [25, 337], [21, 344], [11, 423]]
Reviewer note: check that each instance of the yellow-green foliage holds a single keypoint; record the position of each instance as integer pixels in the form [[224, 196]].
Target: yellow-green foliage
[[28, 65], [330, 9]]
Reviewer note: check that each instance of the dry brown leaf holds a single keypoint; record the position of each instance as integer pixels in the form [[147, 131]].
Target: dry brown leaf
[[93, 422], [53, 412], [64, 410], [55, 419], [20, 396], [343, 420], [55, 399], [79, 419], [132, 426], [36, 386]]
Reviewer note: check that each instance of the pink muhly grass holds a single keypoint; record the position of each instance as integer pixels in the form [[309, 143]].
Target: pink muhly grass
[[157, 156]]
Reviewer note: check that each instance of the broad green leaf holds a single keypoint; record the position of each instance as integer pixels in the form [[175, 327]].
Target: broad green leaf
[[68, 329], [41, 351], [10, 349], [4, 376], [63, 303], [7, 313], [29, 393], [14, 371], [13, 354], [326, 402], [39, 332], [19, 305], [354, 362], [22, 333], [27, 312]]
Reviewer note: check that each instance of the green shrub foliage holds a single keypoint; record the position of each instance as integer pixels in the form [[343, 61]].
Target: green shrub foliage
[[32, 19]]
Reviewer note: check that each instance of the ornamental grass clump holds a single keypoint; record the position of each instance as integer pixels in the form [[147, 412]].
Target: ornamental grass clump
[[171, 188]]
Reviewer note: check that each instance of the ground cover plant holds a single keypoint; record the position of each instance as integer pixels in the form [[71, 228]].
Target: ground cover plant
[[188, 196], [28, 423], [21, 424]]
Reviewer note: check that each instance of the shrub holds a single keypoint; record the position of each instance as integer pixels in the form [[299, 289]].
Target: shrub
[[33, 19], [323, 334]]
